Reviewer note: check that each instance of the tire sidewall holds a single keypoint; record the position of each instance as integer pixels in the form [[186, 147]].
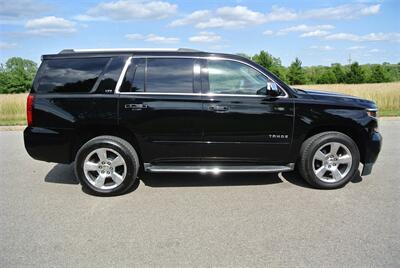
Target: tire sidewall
[[91, 146], [354, 154]]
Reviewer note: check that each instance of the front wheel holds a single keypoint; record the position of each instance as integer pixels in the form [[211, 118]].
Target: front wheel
[[329, 160], [107, 165]]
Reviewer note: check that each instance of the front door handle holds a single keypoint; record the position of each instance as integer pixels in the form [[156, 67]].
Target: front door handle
[[134, 106], [218, 108]]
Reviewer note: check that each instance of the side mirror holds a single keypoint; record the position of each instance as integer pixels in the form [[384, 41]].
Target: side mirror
[[272, 89]]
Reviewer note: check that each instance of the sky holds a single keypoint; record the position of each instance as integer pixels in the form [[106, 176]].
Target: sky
[[318, 32]]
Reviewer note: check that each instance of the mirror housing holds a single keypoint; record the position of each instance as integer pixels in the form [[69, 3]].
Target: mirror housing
[[272, 89]]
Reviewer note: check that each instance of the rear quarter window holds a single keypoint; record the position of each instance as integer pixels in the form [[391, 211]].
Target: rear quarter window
[[77, 75]]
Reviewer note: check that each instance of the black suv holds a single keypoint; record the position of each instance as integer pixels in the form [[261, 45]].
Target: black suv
[[115, 112]]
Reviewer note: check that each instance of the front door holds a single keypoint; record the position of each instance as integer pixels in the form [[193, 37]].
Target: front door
[[241, 123]]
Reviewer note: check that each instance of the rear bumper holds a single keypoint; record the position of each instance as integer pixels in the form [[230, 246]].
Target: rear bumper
[[50, 145], [373, 147]]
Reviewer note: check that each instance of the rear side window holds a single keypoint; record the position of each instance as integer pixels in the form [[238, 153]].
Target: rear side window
[[70, 75], [134, 78], [110, 77], [169, 75]]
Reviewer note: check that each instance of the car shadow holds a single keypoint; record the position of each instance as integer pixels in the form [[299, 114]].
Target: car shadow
[[65, 174], [62, 173], [202, 180], [295, 178], [357, 177]]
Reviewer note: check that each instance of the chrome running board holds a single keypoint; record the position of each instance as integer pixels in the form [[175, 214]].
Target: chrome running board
[[215, 169]]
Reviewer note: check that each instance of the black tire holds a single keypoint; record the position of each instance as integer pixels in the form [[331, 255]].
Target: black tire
[[309, 148], [123, 148]]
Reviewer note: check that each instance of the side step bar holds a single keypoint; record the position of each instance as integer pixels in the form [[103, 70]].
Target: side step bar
[[215, 169]]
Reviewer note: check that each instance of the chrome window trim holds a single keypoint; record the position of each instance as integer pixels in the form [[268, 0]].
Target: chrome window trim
[[191, 94], [122, 75], [129, 60]]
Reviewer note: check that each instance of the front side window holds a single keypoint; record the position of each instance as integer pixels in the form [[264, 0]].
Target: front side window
[[169, 75], [71, 75], [231, 77]]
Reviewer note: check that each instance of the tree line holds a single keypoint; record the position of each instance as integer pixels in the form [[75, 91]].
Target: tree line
[[17, 74], [353, 73]]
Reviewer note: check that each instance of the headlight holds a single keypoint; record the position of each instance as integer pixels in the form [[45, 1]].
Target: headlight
[[372, 112]]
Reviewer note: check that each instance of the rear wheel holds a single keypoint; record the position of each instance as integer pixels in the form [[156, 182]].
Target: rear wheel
[[107, 165], [329, 160]]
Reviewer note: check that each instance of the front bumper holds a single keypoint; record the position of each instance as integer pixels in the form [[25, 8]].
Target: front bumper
[[373, 147]]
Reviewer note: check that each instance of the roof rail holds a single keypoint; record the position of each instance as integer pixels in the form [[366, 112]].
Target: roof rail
[[65, 51], [183, 49]]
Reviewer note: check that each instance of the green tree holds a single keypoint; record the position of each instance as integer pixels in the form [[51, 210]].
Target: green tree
[[17, 75], [339, 73], [355, 75], [264, 59], [327, 77], [274, 65], [378, 74], [313, 73], [296, 75]]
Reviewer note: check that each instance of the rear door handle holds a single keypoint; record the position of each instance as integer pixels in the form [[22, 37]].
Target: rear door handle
[[218, 108], [134, 106]]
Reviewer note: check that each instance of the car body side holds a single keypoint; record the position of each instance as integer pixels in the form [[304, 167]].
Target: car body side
[[173, 129]]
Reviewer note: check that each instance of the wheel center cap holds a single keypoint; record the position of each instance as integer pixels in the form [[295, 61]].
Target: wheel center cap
[[105, 168]]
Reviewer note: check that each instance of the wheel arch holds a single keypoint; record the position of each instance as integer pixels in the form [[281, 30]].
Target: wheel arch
[[357, 135], [86, 133]]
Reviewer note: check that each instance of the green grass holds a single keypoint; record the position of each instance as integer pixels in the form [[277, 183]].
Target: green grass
[[389, 113], [12, 122]]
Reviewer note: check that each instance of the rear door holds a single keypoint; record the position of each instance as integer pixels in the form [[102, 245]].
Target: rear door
[[160, 102], [240, 122]]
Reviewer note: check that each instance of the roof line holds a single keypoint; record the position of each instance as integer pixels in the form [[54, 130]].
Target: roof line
[[128, 50]]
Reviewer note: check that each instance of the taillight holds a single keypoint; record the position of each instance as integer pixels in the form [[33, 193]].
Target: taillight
[[29, 103]]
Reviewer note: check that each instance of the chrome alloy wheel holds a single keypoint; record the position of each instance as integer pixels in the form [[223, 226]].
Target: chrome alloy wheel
[[105, 168], [332, 162]]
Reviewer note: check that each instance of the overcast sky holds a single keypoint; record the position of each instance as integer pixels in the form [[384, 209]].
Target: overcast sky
[[318, 32]]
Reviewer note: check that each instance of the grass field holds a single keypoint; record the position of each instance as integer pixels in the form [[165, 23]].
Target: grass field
[[386, 95], [12, 109]]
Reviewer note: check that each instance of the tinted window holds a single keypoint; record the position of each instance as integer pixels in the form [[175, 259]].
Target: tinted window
[[134, 78], [111, 75], [71, 75], [170, 75], [231, 77]]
